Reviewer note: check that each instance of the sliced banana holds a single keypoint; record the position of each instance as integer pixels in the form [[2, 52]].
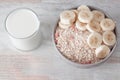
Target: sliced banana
[[93, 26], [94, 40], [67, 17], [85, 16], [109, 38], [107, 24], [83, 8], [64, 26], [80, 25], [102, 51], [98, 15], [76, 13]]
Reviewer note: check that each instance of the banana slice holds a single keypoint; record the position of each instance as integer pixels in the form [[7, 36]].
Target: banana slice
[[109, 38], [80, 25], [83, 8], [76, 13], [102, 51], [64, 26], [98, 15], [85, 16], [107, 24], [94, 26], [94, 40], [67, 17]]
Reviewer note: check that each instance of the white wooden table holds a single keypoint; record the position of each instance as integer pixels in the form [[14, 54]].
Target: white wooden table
[[44, 63]]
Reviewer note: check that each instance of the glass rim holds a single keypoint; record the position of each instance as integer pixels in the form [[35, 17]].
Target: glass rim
[[23, 37]]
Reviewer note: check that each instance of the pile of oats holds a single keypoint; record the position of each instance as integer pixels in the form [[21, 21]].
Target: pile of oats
[[72, 44]]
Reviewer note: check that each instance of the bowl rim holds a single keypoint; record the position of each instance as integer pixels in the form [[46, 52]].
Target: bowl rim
[[92, 64]]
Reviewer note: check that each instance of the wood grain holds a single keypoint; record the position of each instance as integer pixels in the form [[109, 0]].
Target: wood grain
[[21, 1], [45, 63]]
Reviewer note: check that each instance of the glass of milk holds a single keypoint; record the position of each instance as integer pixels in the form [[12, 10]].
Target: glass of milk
[[22, 26]]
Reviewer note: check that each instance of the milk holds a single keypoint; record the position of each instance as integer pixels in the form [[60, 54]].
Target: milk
[[22, 26]]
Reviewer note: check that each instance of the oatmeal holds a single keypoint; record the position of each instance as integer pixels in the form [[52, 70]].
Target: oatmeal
[[72, 44], [84, 35]]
